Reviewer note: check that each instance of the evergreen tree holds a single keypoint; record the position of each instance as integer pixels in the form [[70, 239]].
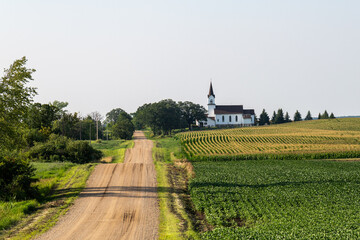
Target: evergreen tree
[[264, 118], [273, 118], [308, 116], [325, 115], [297, 116], [287, 117], [332, 116], [319, 117], [279, 117]]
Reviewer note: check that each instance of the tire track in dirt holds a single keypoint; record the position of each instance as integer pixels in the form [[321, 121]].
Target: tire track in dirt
[[119, 201]]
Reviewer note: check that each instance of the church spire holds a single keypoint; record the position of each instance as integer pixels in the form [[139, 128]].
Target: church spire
[[211, 91]]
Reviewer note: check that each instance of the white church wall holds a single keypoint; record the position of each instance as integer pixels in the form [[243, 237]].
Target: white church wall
[[224, 119]]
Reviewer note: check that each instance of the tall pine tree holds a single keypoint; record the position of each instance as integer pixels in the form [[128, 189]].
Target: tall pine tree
[[273, 119], [297, 116], [264, 118], [325, 115], [279, 116], [287, 117], [308, 116]]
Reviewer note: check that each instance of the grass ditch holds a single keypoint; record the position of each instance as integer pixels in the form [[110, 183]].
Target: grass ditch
[[114, 150], [177, 219], [59, 185]]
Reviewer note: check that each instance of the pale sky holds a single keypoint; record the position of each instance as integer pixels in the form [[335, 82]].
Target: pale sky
[[100, 55]]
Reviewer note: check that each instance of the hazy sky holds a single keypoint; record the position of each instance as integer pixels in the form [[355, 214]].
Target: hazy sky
[[100, 55]]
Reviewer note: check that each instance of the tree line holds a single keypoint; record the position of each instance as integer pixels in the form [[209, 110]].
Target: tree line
[[279, 117], [166, 115]]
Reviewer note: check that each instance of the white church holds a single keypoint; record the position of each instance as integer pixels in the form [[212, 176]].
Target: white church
[[227, 115]]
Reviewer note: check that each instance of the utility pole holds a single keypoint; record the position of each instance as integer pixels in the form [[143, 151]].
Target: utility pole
[[90, 131], [97, 117]]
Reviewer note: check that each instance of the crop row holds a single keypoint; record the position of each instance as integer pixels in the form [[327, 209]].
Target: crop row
[[270, 140], [267, 199]]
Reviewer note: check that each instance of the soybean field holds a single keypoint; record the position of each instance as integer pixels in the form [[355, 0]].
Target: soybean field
[[278, 199]]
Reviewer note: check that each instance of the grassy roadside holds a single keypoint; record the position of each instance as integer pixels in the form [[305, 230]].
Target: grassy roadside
[[175, 222], [114, 150], [58, 187]]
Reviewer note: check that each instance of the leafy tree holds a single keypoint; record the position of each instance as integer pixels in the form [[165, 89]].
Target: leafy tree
[[123, 128], [67, 125], [15, 98], [60, 106], [297, 116], [161, 116], [287, 117], [142, 116], [264, 118], [191, 112], [308, 116], [273, 118], [41, 115], [279, 116], [112, 116], [332, 116]]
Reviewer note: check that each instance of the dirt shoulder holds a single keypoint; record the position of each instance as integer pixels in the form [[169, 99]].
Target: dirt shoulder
[[119, 201]]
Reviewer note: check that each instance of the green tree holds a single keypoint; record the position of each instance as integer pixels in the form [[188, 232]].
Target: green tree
[[273, 118], [190, 112], [308, 116], [287, 117], [113, 115], [332, 116], [123, 128], [60, 106], [15, 98], [297, 116], [41, 115], [319, 116], [141, 116], [264, 118], [16, 176], [68, 125], [279, 116], [325, 115]]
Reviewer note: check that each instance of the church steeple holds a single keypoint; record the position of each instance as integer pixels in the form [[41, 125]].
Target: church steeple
[[211, 91]]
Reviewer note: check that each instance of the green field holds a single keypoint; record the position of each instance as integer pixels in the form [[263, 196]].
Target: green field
[[321, 139], [114, 149], [278, 199], [58, 186]]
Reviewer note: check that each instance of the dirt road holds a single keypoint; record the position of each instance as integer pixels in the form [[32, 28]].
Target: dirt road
[[119, 201]]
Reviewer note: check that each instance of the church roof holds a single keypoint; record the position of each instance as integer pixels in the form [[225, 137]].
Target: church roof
[[211, 91], [233, 109], [228, 109], [249, 111]]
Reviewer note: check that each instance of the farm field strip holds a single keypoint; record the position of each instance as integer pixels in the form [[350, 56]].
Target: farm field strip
[[290, 138], [265, 199]]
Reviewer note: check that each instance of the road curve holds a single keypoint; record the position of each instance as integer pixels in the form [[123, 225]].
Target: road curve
[[119, 201]]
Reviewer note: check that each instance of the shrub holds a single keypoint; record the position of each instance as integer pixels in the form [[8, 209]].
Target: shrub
[[15, 178], [60, 148], [82, 152]]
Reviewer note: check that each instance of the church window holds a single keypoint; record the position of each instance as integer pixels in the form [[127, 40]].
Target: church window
[[229, 118], [236, 118], [223, 118]]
